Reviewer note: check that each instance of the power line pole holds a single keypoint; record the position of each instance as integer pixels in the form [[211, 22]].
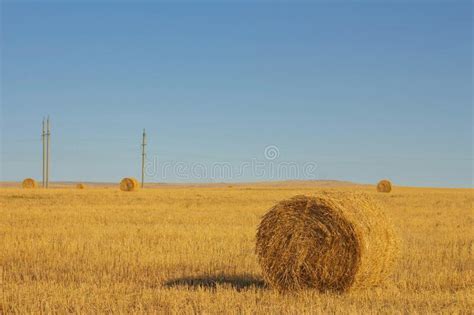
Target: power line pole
[[143, 157], [48, 134], [43, 134]]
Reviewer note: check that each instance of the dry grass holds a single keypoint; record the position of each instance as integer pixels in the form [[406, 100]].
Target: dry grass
[[128, 184], [28, 183], [384, 186], [330, 242], [191, 250]]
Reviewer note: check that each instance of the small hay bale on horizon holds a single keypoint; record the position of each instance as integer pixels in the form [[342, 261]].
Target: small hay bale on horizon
[[331, 243], [28, 183], [129, 184], [384, 186], [137, 183]]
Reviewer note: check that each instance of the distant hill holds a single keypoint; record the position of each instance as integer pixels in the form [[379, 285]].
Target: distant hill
[[300, 183]]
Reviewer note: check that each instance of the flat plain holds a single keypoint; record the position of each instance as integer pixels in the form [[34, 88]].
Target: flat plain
[[191, 249]]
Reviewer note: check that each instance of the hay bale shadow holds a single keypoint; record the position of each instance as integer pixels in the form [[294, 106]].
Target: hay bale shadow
[[210, 282]]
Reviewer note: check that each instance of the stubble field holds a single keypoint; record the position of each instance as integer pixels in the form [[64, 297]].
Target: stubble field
[[184, 249]]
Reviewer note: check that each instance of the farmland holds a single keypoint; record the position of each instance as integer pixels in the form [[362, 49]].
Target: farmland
[[191, 249]]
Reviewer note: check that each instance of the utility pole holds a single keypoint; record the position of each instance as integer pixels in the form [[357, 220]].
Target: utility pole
[[43, 134], [143, 157], [48, 133]]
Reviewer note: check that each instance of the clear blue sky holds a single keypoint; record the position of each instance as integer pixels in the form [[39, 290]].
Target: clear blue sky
[[363, 90]]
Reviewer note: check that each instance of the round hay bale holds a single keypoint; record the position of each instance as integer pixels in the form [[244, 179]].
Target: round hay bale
[[331, 242], [28, 183], [129, 184], [80, 186], [137, 183], [384, 186]]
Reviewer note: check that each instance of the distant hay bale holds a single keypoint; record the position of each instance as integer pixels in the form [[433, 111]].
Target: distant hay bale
[[137, 183], [331, 242], [28, 183], [80, 186], [129, 184], [384, 186]]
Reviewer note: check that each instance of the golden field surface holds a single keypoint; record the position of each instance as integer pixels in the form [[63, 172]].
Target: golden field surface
[[190, 249]]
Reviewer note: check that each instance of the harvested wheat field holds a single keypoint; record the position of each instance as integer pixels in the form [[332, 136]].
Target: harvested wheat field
[[191, 249]]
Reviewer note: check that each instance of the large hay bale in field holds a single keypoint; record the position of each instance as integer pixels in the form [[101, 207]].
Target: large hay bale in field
[[129, 184], [331, 242], [384, 186], [28, 183], [81, 186]]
